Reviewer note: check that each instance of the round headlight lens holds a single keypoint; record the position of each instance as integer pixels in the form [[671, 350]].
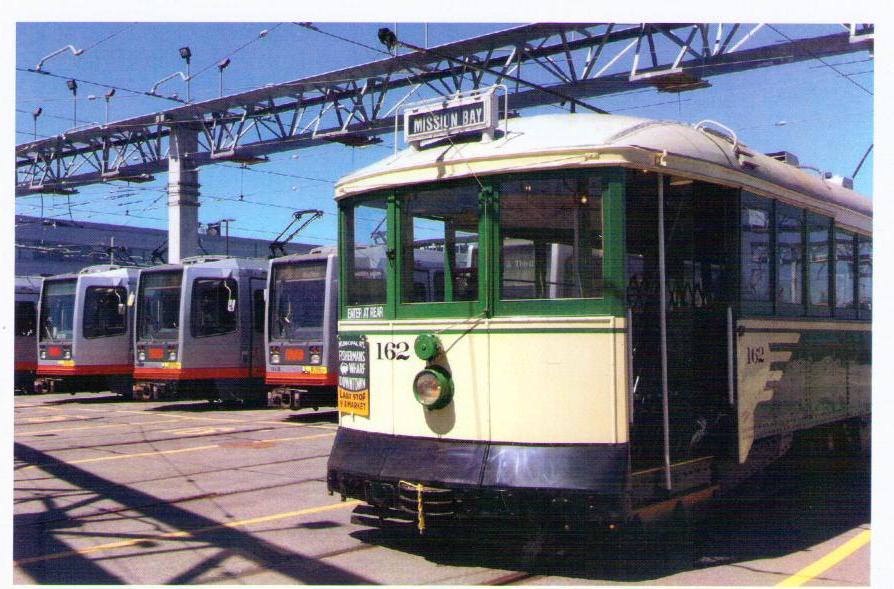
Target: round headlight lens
[[433, 388]]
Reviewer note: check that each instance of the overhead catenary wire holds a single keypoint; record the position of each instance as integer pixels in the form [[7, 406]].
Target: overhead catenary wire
[[826, 63], [100, 84]]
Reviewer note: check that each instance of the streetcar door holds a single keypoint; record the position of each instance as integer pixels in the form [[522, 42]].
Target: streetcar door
[[699, 278]]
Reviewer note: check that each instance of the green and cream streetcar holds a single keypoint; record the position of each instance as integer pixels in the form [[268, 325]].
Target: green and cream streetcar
[[591, 318]]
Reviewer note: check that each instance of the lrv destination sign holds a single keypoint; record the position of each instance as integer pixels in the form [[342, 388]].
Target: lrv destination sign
[[447, 118]]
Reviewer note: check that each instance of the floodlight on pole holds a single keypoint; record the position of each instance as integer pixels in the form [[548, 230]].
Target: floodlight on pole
[[108, 97], [220, 68], [186, 54], [37, 112], [73, 86], [226, 223], [71, 48]]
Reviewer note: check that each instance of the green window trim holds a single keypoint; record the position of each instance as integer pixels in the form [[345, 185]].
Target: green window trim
[[489, 304]]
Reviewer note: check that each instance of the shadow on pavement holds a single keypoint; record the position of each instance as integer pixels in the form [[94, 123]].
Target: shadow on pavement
[[34, 541], [787, 509]]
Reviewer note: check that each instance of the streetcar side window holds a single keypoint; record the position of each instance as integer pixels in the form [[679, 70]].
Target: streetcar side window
[[366, 236], [819, 262], [551, 239], [845, 274], [755, 253], [105, 311], [213, 313], [864, 277], [25, 318], [440, 238], [789, 259], [258, 313]]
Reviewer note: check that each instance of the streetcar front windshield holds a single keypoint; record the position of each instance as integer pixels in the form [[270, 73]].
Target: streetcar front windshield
[[298, 295], [57, 310], [158, 305]]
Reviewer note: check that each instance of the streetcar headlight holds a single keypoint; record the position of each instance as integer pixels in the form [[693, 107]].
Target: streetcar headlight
[[172, 355], [274, 358], [43, 354], [141, 356], [67, 354], [315, 359], [433, 387]]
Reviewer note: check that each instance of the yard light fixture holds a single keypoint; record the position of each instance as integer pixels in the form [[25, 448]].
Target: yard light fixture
[[73, 86], [186, 54], [220, 68], [37, 112]]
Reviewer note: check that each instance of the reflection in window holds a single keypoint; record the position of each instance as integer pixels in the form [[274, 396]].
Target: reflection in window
[[844, 270], [789, 251], [258, 312], [57, 310], [158, 305], [367, 237], [440, 245], [25, 318], [105, 311], [551, 238], [214, 306], [864, 280], [819, 262], [755, 253], [297, 299]]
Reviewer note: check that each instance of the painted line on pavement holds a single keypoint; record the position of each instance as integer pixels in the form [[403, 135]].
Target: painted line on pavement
[[187, 533], [175, 451], [74, 429], [820, 566]]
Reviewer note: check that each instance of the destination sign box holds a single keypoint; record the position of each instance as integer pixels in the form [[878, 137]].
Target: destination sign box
[[446, 118]]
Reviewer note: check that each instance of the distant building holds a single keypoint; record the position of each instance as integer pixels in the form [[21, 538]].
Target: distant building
[[54, 246]]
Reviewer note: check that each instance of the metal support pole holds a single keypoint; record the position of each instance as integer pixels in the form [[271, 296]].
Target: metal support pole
[[730, 357], [662, 285], [183, 195], [631, 387]]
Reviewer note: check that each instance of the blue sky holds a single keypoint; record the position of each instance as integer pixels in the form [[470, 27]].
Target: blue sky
[[823, 116]]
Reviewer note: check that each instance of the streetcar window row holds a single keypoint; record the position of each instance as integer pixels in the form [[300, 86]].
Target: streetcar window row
[[798, 263], [547, 233]]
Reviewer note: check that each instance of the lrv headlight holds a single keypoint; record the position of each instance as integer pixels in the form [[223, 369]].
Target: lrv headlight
[[433, 387]]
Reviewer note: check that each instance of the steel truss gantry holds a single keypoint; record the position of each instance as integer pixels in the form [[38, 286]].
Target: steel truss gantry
[[355, 104]]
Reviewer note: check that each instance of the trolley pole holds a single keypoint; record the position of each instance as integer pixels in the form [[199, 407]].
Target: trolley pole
[[662, 285]]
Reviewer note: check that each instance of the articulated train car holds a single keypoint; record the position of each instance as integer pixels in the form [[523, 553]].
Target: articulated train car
[[302, 301], [84, 335], [652, 313], [200, 330], [27, 295]]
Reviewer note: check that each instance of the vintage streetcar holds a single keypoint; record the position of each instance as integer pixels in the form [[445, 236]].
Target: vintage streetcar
[[302, 300], [26, 297], [84, 335], [200, 330], [628, 317]]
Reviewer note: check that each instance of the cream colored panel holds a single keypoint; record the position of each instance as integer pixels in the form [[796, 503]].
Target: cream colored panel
[[467, 417], [554, 388], [622, 387], [381, 398]]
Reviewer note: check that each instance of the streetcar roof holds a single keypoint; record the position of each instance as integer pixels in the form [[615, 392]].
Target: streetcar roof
[[560, 141]]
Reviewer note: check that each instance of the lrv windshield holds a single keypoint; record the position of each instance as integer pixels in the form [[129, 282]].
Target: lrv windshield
[[298, 297], [158, 306], [57, 310]]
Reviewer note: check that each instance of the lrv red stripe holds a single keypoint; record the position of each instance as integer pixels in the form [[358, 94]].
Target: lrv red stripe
[[301, 379], [84, 369], [143, 372]]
